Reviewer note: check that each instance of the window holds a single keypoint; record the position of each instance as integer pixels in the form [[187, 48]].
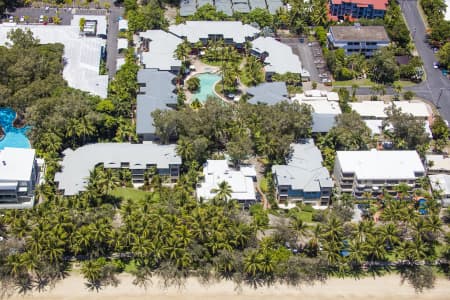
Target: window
[[124, 164]]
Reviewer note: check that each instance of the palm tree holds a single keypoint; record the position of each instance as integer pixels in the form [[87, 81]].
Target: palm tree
[[319, 14], [333, 230], [223, 192], [298, 226], [252, 263], [85, 128], [390, 234], [357, 252], [185, 149], [182, 51]]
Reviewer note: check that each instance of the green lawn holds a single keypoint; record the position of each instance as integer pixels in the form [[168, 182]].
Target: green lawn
[[130, 193], [305, 216]]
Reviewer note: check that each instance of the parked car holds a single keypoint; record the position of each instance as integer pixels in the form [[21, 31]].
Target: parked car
[[41, 18], [436, 65], [22, 19]]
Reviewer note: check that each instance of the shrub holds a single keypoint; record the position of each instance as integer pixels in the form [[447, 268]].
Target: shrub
[[193, 84]]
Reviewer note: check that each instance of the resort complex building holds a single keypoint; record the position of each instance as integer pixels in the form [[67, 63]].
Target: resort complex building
[[325, 109], [157, 48], [277, 57], [376, 110], [228, 7], [268, 93], [440, 183], [157, 90], [138, 158], [82, 55], [231, 32], [358, 39], [438, 163], [19, 175], [303, 178], [356, 9], [240, 180], [357, 172]]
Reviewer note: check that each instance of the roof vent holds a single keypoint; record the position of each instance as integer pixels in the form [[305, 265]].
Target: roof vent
[[4, 163]]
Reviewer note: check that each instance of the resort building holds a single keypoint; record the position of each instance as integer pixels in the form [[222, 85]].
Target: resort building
[[94, 25], [157, 50], [324, 111], [365, 40], [277, 57], [138, 158], [317, 95], [357, 172], [157, 90], [189, 7], [268, 93], [356, 9], [19, 175], [441, 183], [81, 55], [303, 178], [438, 163], [376, 110], [241, 181], [231, 32]]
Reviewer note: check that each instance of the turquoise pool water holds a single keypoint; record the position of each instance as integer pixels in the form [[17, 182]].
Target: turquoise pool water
[[207, 82], [14, 137]]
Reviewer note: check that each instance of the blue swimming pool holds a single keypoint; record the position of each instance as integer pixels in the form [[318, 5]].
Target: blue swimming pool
[[207, 82], [14, 137]]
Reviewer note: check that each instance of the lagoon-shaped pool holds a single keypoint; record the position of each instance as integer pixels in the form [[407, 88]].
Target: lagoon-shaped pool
[[207, 83], [14, 137]]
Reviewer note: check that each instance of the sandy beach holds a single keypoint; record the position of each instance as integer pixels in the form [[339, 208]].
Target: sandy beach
[[387, 287]]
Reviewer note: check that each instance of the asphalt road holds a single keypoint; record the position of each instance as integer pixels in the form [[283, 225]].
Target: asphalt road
[[111, 43], [437, 87]]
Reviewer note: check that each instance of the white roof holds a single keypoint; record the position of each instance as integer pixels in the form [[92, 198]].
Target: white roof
[[447, 11], [120, 62], [440, 182], [281, 59], [217, 171], [314, 95], [101, 22], [16, 164], [82, 54], [162, 49], [381, 165], [77, 164], [122, 44], [196, 30], [441, 163], [375, 126], [123, 24], [376, 109], [324, 107]]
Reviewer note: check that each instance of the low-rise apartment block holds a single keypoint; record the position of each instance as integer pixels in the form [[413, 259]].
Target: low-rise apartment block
[[303, 178], [372, 171], [355, 9], [138, 158], [358, 39], [19, 174]]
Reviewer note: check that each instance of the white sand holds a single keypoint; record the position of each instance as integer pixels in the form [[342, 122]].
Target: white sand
[[385, 288]]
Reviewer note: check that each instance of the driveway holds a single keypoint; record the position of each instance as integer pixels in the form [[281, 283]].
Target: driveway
[[437, 87], [111, 43], [306, 56]]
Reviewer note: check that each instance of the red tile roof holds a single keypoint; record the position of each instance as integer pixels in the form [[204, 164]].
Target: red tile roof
[[377, 4]]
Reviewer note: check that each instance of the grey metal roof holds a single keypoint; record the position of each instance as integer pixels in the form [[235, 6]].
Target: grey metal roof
[[268, 92], [359, 33], [76, 164], [304, 170], [274, 5], [188, 7], [200, 3], [258, 4], [224, 6], [241, 7], [158, 93], [323, 122]]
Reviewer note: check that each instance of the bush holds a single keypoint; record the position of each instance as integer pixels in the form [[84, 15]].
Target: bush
[[193, 84], [344, 74], [308, 208]]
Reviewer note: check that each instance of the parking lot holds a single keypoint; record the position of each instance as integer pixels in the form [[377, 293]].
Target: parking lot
[[311, 57]]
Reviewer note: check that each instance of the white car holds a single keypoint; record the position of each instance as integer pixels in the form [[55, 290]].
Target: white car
[[41, 18], [22, 19]]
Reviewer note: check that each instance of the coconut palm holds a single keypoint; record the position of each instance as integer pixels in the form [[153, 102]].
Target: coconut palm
[[223, 192]]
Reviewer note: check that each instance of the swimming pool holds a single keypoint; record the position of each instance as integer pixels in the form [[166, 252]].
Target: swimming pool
[[14, 137], [207, 82]]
